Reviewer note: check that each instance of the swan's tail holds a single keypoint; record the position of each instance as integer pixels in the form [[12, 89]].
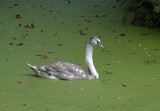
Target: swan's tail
[[34, 68]]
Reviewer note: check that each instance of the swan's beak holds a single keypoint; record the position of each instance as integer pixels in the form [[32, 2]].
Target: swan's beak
[[100, 44]]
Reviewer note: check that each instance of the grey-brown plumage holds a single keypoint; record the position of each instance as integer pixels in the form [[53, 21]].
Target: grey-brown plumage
[[68, 71]]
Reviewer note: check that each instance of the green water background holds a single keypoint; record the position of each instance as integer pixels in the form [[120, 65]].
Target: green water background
[[128, 66]]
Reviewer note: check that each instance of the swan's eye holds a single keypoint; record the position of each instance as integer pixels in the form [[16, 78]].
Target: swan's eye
[[100, 44]]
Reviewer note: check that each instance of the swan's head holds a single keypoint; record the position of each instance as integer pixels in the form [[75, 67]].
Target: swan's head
[[96, 41]]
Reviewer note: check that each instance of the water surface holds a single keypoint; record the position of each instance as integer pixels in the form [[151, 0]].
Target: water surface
[[43, 32]]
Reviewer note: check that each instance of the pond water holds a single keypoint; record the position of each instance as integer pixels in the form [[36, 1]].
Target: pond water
[[43, 32]]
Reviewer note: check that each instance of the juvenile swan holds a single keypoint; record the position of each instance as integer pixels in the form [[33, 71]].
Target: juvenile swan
[[68, 71]]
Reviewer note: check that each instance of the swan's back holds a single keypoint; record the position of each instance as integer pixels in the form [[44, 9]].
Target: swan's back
[[64, 70], [68, 71]]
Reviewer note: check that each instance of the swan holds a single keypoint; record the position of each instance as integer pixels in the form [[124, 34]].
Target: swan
[[69, 71]]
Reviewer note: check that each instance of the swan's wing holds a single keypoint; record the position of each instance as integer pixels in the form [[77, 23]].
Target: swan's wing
[[64, 70]]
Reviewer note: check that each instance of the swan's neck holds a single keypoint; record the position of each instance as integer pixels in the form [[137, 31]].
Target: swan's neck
[[89, 61]]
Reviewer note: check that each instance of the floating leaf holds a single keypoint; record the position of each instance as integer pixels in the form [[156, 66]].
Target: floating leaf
[[87, 20], [60, 44], [81, 32], [122, 34], [10, 43], [118, 98], [145, 85], [18, 16], [28, 26], [19, 81], [82, 89], [42, 56], [19, 44], [16, 4], [108, 72], [124, 85], [128, 40], [155, 49]]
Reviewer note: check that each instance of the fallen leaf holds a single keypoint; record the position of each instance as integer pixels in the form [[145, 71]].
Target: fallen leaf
[[155, 49], [122, 34], [149, 55], [108, 72], [128, 40], [87, 20], [42, 56], [19, 44], [29, 26], [50, 52], [10, 43], [19, 81], [81, 32], [18, 16], [145, 85], [16, 4], [124, 85], [118, 98], [82, 89], [60, 44]]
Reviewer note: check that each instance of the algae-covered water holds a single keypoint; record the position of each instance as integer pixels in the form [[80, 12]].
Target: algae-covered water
[[46, 31]]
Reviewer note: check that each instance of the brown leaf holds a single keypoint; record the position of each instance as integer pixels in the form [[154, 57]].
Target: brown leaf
[[18, 16], [146, 85], [19, 81], [42, 56], [118, 98], [50, 52], [81, 32], [29, 26]]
